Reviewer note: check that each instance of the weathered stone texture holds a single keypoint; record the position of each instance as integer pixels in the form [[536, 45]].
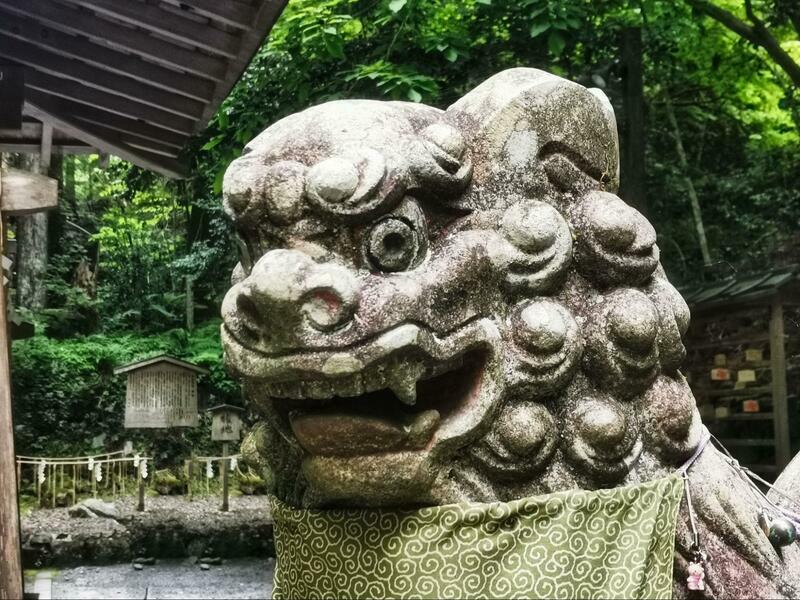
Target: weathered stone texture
[[442, 306]]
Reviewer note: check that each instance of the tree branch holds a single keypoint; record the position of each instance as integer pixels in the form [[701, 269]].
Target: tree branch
[[755, 32]]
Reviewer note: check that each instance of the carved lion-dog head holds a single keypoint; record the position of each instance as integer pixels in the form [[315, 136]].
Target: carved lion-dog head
[[437, 306]]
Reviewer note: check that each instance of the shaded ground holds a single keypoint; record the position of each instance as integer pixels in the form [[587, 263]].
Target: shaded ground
[[243, 578], [171, 527]]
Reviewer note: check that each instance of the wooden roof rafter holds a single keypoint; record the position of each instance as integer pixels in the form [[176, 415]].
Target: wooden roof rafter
[[134, 78]]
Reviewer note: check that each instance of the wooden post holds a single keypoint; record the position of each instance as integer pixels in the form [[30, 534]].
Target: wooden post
[[780, 409], [140, 506], [123, 472], [10, 561], [74, 484], [19, 475], [53, 485], [39, 486], [225, 467], [189, 469], [94, 481]]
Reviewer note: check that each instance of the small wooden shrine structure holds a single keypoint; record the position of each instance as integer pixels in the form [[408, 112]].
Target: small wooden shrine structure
[[226, 426], [161, 392], [226, 422], [743, 364]]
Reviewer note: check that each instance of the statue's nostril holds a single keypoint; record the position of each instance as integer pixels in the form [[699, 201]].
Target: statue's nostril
[[248, 314], [325, 309]]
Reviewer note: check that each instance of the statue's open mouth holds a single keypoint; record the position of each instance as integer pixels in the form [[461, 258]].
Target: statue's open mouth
[[400, 391], [381, 420]]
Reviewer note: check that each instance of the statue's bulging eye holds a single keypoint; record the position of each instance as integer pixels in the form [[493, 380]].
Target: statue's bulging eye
[[392, 245]]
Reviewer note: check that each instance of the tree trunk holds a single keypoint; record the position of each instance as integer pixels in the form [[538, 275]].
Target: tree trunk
[[684, 164], [632, 173], [189, 303], [31, 231], [69, 177]]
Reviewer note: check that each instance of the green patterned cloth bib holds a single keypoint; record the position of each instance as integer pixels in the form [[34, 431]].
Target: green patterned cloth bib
[[615, 543]]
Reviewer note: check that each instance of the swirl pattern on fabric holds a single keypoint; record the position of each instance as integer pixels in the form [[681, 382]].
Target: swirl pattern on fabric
[[614, 543]]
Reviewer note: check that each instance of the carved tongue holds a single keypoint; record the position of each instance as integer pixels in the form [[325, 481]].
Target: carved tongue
[[352, 434]]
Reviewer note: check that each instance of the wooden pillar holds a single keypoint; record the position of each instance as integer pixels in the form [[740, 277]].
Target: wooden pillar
[[780, 409], [225, 467], [633, 187], [10, 562]]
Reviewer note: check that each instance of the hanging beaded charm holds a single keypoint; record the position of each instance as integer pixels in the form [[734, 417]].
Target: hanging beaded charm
[[696, 580], [697, 570]]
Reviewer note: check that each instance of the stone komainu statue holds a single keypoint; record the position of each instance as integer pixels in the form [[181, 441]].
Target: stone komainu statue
[[454, 306]]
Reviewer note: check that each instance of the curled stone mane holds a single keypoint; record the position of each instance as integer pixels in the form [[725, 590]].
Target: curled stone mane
[[446, 306]]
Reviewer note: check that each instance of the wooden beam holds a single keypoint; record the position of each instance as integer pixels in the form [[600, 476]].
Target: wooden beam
[[112, 145], [10, 560], [93, 115], [780, 408], [231, 12], [165, 23], [22, 147], [32, 131], [25, 193], [111, 34], [46, 151], [32, 56], [136, 141], [103, 57], [268, 12], [72, 90]]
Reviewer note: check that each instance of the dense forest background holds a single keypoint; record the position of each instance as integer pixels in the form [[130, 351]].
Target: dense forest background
[[707, 95]]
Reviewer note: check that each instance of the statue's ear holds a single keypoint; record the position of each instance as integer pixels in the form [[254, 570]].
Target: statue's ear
[[533, 133]]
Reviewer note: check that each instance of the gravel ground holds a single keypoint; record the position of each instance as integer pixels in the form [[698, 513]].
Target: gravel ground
[[243, 578], [170, 527], [198, 508]]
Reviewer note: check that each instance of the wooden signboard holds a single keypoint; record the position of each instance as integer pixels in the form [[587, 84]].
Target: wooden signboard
[[12, 96], [226, 423], [161, 393]]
